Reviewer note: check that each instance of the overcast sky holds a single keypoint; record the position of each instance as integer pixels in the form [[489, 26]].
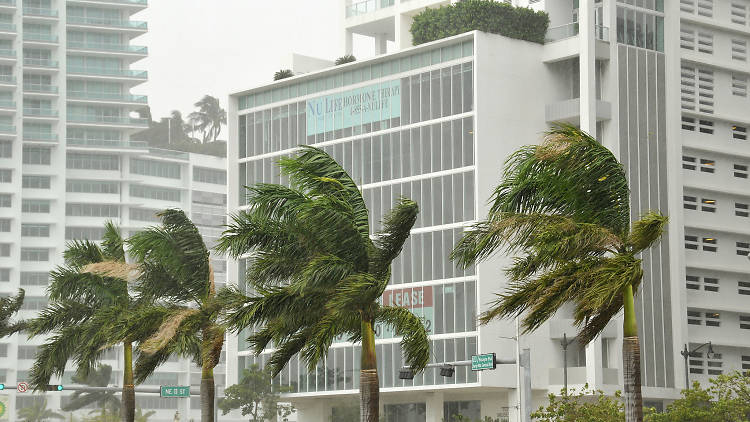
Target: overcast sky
[[214, 47]]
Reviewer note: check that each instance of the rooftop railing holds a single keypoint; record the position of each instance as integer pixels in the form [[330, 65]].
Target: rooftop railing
[[124, 48], [100, 71], [364, 7], [81, 20]]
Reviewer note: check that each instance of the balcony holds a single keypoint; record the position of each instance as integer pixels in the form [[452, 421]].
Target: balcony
[[111, 120], [46, 63], [40, 112], [39, 136], [40, 88], [103, 96], [45, 38], [115, 23], [6, 53], [7, 129], [7, 80], [367, 6], [141, 3], [7, 27], [114, 48], [103, 143], [7, 104], [41, 12], [100, 71], [7, 3], [168, 153]]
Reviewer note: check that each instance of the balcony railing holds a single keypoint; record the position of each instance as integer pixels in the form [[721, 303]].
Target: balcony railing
[[28, 61], [39, 112], [117, 120], [7, 104], [100, 71], [4, 52], [366, 6], [39, 136], [8, 3], [7, 79], [107, 96], [40, 11], [7, 27], [124, 48], [81, 20], [45, 89], [102, 143], [136, 2], [31, 36], [561, 32], [601, 32], [168, 153], [8, 129]]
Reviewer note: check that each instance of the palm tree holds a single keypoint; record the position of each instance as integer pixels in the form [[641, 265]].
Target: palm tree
[[347, 58], [86, 315], [9, 306], [99, 377], [563, 207], [209, 118], [317, 272], [283, 74], [38, 412], [175, 275]]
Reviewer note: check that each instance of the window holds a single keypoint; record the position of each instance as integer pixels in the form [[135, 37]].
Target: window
[[34, 254], [709, 244], [92, 210], [92, 186], [741, 210], [745, 322], [35, 206], [738, 12], [205, 175], [740, 171], [35, 182], [697, 89], [4, 274], [688, 123], [713, 319], [691, 242], [708, 205], [743, 248], [708, 166], [706, 126], [6, 176], [739, 132], [705, 43], [694, 318], [743, 288], [36, 155], [153, 192], [34, 278], [5, 249], [739, 50], [31, 303], [6, 200], [739, 85], [27, 352], [84, 233], [689, 202], [92, 161], [688, 163], [687, 38], [701, 363], [746, 365], [6, 149], [35, 230], [144, 214], [709, 319], [154, 168], [4, 225], [694, 282]]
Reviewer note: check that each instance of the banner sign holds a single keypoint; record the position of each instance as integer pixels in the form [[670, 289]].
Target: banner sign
[[354, 107], [419, 300]]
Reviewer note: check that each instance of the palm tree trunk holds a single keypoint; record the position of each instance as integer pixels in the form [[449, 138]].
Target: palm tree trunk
[[369, 389], [207, 393], [631, 356], [128, 389]]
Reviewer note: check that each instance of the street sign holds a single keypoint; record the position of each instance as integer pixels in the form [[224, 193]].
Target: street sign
[[482, 362], [175, 391], [22, 387]]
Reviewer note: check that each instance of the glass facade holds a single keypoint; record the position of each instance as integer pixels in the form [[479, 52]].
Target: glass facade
[[413, 136]]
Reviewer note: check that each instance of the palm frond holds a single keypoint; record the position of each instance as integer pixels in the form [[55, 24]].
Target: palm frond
[[173, 323], [415, 343], [81, 252], [113, 244], [647, 231], [397, 226], [9, 306], [53, 355]]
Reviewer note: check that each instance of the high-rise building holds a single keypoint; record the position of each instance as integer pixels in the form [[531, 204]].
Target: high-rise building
[[662, 84], [67, 165]]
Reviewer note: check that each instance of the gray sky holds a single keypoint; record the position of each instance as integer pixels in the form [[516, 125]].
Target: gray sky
[[199, 47]]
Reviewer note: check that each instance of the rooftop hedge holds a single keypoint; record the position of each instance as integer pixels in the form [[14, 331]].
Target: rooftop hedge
[[480, 15]]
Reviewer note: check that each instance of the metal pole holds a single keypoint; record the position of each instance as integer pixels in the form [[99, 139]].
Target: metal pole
[[685, 355], [518, 367], [565, 362]]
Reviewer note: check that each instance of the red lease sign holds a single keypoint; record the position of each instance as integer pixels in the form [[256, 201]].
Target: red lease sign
[[409, 298]]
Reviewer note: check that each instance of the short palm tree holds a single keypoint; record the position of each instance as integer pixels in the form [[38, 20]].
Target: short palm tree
[[85, 315], [38, 412], [209, 118], [283, 74], [107, 400], [346, 58], [9, 306], [317, 272], [563, 208]]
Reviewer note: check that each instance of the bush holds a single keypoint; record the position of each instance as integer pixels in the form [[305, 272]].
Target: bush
[[283, 74], [347, 58], [481, 15]]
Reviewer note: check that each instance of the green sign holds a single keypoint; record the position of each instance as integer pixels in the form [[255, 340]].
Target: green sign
[[482, 362], [368, 104], [175, 391]]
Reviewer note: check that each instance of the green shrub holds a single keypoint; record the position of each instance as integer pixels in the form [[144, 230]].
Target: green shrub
[[347, 58], [481, 15], [283, 74]]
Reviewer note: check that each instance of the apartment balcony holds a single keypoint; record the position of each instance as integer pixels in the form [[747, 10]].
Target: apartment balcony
[[167, 153], [108, 120], [40, 113], [107, 49], [100, 97], [364, 7], [7, 55], [100, 72], [8, 28], [43, 89], [42, 13], [562, 42], [131, 4], [570, 111], [40, 137], [107, 24], [7, 4], [7, 105], [7, 129], [103, 144], [31, 37], [41, 63], [7, 80]]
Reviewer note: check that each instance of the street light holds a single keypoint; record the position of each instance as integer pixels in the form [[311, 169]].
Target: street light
[[685, 354]]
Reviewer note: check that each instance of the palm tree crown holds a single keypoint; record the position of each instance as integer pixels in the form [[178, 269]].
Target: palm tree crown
[[209, 118]]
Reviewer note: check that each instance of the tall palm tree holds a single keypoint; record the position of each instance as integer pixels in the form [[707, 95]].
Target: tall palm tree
[[317, 271], [563, 208], [107, 400], [175, 276], [38, 412], [209, 118], [9, 306], [85, 315]]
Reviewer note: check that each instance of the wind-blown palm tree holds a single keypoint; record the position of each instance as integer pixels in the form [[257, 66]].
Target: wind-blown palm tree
[[107, 400], [9, 306], [563, 208], [209, 118], [38, 412], [317, 272], [86, 315]]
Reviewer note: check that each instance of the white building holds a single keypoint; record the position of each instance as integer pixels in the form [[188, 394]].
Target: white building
[[662, 84], [67, 165]]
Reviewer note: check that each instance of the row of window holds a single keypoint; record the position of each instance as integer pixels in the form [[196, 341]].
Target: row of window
[[713, 284], [84, 233], [92, 210], [206, 175], [702, 41], [27, 278], [710, 244], [713, 319], [91, 186], [92, 161], [708, 165], [155, 192], [154, 168], [640, 28], [691, 202], [706, 126]]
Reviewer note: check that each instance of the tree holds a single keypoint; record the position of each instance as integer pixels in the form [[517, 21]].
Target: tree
[[317, 273], [255, 396], [283, 74], [107, 400], [209, 118], [86, 314], [347, 58], [38, 412], [563, 207], [585, 405], [726, 399], [9, 306]]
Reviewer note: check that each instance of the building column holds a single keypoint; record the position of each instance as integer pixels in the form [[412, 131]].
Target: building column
[[514, 415], [594, 375], [587, 59], [348, 42], [434, 406], [381, 44], [403, 31]]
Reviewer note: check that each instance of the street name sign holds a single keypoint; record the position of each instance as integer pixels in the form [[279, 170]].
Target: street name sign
[[483, 361], [175, 391]]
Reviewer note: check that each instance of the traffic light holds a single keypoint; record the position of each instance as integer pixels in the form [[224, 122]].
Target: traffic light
[[53, 387], [2, 386]]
